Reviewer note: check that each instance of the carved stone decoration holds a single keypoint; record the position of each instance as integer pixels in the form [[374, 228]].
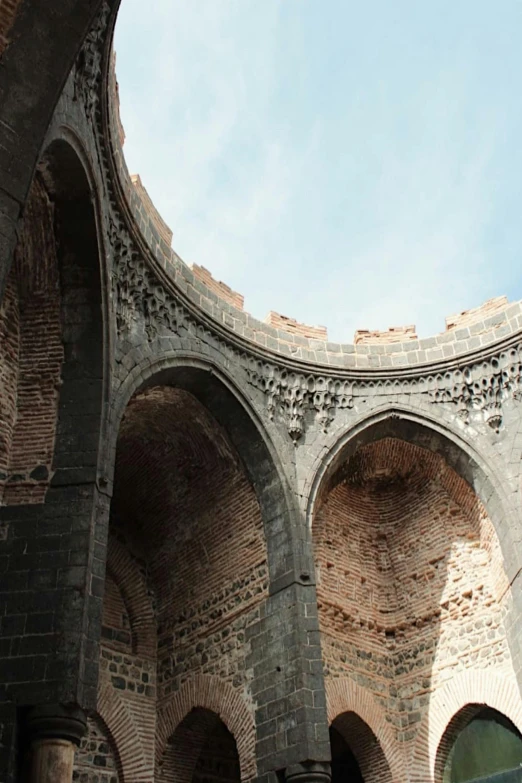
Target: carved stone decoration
[[128, 276], [293, 394], [476, 390], [88, 70], [479, 390]]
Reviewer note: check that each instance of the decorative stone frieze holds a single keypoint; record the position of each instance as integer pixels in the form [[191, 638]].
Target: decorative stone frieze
[[88, 68], [479, 390], [292, 394], [476, 391]]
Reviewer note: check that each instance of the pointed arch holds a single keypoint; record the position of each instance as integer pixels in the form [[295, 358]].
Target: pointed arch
[[344, 695], [135, 592], [421, 430], [226, 402], [217, 696], [115, 715], [482, 687]]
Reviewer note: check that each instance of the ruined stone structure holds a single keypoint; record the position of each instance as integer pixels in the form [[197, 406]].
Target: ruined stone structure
[[229, 550]]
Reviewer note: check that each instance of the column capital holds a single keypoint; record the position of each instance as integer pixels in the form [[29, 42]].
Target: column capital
[[57, 721], [308, 772]]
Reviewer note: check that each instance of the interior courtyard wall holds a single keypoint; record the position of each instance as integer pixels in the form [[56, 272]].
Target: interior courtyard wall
[[411, 587], [269, 346]]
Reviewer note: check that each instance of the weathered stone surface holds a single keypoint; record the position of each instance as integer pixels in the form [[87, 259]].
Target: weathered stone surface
[[221, 536]]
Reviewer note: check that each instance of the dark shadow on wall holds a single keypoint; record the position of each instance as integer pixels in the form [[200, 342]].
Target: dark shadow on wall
[[201, 750], [53, 332], [344, 764], [187, 562]]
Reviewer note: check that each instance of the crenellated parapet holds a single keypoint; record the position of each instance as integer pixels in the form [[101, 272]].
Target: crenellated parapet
[[397, 347], [472, 369], [395, 334]]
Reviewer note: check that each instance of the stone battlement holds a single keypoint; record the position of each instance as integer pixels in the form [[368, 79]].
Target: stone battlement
[[395, 334], [484, 311], [153, 214], [222, 290], [466, 329], [288, 324]]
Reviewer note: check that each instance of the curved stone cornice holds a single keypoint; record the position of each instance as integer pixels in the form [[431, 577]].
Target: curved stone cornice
[[154, 294]]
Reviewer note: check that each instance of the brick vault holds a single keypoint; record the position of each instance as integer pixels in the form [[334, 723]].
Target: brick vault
[[229, 550]]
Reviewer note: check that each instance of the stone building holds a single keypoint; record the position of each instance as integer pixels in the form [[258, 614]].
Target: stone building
[[230, 550]]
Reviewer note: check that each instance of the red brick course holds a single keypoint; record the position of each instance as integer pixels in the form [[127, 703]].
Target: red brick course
[[411, 588], [31, 357]]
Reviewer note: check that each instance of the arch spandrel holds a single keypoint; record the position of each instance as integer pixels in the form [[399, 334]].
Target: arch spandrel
[[459, 453], [230, 407]]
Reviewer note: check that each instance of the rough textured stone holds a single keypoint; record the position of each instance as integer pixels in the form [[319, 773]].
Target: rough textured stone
[[221, 536]]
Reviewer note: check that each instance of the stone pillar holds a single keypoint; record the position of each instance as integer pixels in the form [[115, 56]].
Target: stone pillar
[[55, 731], [308, 772]]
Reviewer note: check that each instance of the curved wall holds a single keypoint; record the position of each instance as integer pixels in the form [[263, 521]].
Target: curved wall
[[416, 524]]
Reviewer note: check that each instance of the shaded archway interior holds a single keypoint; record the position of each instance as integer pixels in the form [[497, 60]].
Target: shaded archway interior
[[202, 750], [411, 581], [187, 560], [479, 744], [395, 424], [51, 326]]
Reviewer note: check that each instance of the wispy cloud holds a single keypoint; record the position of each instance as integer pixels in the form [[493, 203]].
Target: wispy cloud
[[332, 174]]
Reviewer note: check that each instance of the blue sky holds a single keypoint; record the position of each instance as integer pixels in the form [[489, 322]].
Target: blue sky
[[352, 164]]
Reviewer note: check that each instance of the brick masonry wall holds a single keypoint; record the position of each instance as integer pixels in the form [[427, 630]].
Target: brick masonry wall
[[219, 579], [32, 357], [151, 211], [189, 519], [96, 759], [218, 761], [486, 310], [395, 334], [9, 357], [201, 749], [411, 588], [128, 678], [222, 290], [291, 326], [52, 552]]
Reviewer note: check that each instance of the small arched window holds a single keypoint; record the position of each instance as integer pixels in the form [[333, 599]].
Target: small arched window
[[488, 749]]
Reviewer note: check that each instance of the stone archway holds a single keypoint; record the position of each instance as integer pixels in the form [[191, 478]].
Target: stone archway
[[481, 687], [219, 699], [345, 697]]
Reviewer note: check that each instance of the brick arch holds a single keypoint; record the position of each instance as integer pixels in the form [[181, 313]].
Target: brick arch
[[344, 695], [216, 696], [481, 687], [116, 717], [421, 430], [231, 407], [183, 751], [135, 593]]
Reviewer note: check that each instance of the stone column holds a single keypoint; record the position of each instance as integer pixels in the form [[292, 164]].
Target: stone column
[[55, 731], [308, 772]]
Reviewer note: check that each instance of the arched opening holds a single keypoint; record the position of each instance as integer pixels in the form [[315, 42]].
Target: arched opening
[[479, 744], [52, 337], [411, 579], [202, 750], [356, 753], [52, 375], [187, 554], [344, 763], [183, 504]]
